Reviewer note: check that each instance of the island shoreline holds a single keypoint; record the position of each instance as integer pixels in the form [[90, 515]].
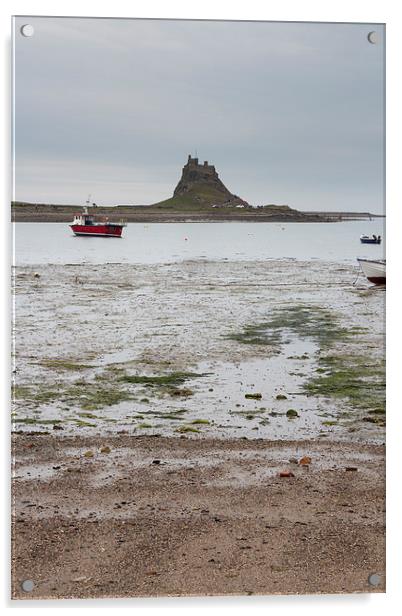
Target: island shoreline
[[28, 212]]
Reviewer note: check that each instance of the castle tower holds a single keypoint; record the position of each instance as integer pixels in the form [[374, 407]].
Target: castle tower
[[197, 177]]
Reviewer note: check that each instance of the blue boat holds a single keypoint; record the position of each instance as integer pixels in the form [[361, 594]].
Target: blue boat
[[370, 239]]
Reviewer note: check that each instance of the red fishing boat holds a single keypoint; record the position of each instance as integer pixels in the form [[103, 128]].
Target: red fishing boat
[[96, 226]]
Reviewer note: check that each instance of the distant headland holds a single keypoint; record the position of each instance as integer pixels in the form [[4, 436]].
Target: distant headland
[[199, 196]]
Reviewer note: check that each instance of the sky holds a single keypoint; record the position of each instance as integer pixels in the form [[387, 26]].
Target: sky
[[289, 113]]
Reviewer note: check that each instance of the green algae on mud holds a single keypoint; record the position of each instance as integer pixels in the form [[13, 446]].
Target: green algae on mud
[[20, 391], [353, 378], [90, 396], [80, 423], [41, 395], [185, 392], [350, 376], [101, 392], [306, 321], [36, 421], [185, 429], [173, 379], [61, 364], [205, 422]]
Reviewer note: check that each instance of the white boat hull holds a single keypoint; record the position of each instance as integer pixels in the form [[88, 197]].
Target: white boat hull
[[374, 270]]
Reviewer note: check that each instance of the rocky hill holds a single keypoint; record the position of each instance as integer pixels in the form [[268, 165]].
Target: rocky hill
[[200, 186]]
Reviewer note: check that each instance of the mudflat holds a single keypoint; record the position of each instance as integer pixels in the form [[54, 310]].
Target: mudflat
[[126, 515], [153, 418], [278, 350]]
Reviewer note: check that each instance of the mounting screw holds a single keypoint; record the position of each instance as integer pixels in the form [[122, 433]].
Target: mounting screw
[[27, 585], [374, 579], [27, 30]]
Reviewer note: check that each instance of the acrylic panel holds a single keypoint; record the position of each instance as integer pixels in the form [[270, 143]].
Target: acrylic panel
[[198, 382]]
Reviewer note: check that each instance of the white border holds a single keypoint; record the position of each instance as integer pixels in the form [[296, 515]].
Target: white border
[[287, 10]]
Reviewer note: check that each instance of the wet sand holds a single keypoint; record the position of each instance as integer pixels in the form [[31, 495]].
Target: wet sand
[[192, 516], [186, 497]]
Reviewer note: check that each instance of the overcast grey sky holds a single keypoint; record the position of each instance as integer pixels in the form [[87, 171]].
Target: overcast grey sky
[[288, 113]]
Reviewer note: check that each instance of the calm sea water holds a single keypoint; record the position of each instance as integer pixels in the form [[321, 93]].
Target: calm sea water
[[36, 243]]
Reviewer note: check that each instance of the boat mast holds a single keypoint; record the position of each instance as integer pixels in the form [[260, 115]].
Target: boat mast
[[88, 201]]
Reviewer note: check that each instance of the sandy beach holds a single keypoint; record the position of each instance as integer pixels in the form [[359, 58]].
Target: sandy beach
[[154, 409], [149, 516]]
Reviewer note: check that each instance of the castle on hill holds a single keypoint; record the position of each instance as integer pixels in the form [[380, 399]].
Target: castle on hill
[[203, 178], [206, 168]]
